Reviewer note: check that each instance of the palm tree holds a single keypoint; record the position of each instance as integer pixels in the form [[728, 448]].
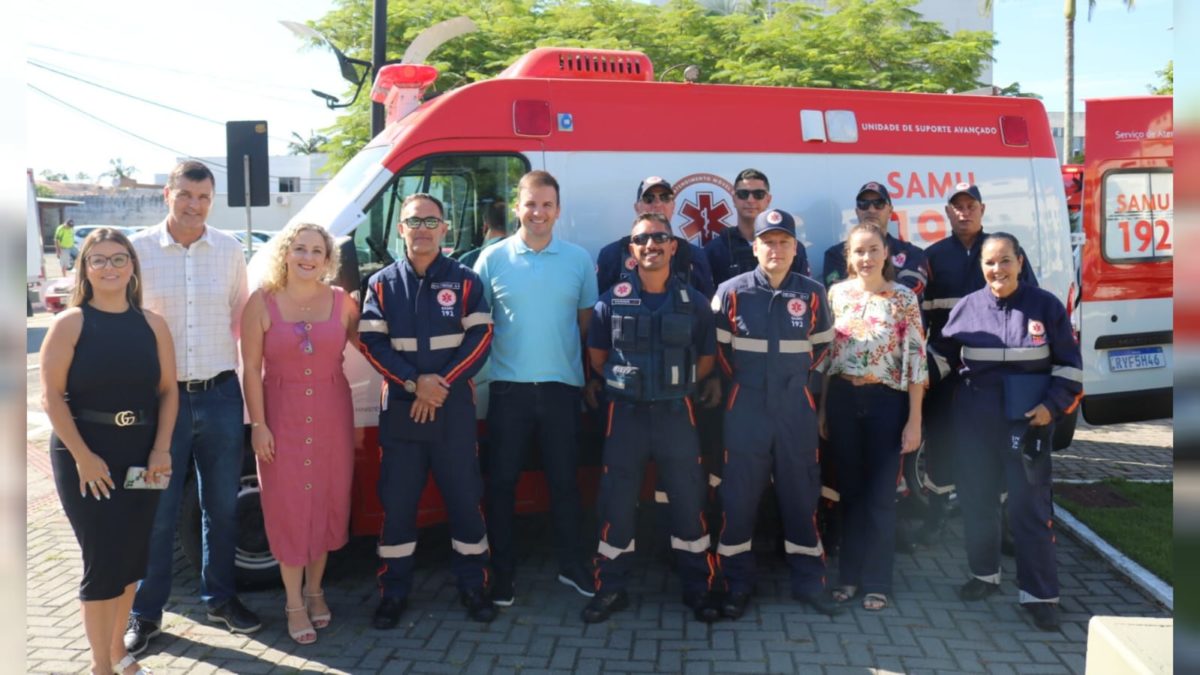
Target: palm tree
[[119, 170], [306, 146], [1069, 115]]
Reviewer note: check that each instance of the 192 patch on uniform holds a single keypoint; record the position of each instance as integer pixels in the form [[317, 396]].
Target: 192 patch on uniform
[[446, 298], [1037, 332]]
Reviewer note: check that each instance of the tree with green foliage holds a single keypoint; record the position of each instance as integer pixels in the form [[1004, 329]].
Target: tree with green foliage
[[306, 146], [54, 176], [44, 191], [1166, 80], [119, 170], [857, 44]]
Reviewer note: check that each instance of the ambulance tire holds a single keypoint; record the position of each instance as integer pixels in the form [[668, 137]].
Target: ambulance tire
[[254, 566], [914, 499], [1064, 430]]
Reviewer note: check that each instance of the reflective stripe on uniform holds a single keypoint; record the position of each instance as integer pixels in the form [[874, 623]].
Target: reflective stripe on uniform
[[912, 273], [815, 551], [830, 494], [695, 546], [1067, 373], [478, 548], [824, 336], [734, 549], [397, 550], [612, 552], [713, 480], [476, 319], [940, 303], [990, 578], [1025, 598], [1006, 354], [660, 497], [445, 341], [745, 344], [372, 326], [940, 361], [724, 336], [404, 344]]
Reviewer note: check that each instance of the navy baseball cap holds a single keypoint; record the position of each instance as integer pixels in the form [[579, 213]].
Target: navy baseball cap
[[653, 182], [965, 188], [775, 220], [876, 187]]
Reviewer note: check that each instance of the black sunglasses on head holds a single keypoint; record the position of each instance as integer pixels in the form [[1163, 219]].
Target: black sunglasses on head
[[745, 194], [646, 237], [878, 203]]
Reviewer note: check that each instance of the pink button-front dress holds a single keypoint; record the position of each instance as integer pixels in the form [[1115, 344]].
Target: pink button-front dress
[[306, 489]]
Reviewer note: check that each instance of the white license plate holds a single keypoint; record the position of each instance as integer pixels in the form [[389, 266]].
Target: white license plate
[[1136, 359]]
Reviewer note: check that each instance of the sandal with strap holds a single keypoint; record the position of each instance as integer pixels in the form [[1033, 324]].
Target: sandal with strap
[[303, 636], [874, 602], [843, 593], [120, 666], [318, 620]]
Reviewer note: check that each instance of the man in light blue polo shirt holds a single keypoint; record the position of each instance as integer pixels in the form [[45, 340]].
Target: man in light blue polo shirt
[[541, 290]]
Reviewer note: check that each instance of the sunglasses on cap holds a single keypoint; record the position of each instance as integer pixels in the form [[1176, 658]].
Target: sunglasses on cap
[[746, 194], [878, 203], [428, 222], [647, 237], [99, 262], [663, 197]]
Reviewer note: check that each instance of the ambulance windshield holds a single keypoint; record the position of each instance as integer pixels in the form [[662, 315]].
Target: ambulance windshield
[[339, 205]]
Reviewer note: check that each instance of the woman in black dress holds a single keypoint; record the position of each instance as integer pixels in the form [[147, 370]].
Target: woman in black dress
[[108, 386]]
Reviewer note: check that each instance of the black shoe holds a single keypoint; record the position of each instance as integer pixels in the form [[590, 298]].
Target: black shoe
[[704, 606], [578, 578], [138, 633], [502, 590], [977, 589], [1045, 615], [603, 605], [235, 616], [1007, 546], [479, 606], [734, 604], [821, 601], [387, 614]]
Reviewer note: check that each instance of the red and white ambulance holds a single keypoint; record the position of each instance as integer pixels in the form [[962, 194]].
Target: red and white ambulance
[[600, 122], [1128, 260]]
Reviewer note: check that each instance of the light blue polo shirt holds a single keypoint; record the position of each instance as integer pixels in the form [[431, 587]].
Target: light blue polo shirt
[[535, 298]]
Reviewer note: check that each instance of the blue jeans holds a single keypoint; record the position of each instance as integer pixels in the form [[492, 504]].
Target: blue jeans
[[520, 416], [208, 431]]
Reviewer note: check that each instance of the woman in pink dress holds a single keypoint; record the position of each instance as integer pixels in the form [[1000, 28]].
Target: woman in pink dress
[[294, 331]]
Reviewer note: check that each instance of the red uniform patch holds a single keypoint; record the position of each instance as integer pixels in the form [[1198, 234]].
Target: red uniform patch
[[623, 289], [630, 263], [796, 307], [899, 259], [1036, 328], [447, 297]]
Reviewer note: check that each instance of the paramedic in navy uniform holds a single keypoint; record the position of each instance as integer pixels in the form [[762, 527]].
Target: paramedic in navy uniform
[[651, 339], [773, 328], [1009, 328], [730, 253], [654, 195], [873, 206], [954, 272], [426, 328]]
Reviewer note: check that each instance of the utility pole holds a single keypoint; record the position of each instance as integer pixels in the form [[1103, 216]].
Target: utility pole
[[378, 58]]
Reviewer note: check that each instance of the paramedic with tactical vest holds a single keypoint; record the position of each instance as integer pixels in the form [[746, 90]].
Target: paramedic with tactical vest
[[1019, 369], [427, 329], [690, 264], [954, 272], [731, 253], [651, 338], [773, 328]]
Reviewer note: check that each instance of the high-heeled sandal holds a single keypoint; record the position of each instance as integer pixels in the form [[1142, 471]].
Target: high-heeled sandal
[[303, 636], [120, 666], [319, 621]]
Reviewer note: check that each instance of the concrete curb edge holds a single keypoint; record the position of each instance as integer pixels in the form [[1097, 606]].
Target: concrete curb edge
[[1142, 577]]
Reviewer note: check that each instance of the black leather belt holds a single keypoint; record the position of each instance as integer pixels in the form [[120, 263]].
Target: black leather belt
[[193, 386], [120, 418]]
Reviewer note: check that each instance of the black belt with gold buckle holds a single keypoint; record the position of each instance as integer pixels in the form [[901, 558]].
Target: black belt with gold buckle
[[193, 386], [120, 418]]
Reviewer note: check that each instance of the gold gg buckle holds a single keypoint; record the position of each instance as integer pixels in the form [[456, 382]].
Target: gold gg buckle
[[124, 418]]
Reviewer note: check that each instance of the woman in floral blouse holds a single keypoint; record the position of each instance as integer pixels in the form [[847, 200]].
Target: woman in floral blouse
[[870, 409]]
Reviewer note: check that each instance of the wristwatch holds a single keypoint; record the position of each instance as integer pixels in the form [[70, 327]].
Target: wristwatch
[[410, 386]]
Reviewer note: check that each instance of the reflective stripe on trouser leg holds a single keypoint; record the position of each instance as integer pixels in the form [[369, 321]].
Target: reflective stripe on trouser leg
[[625, 453], [456, 471], [675, 448], [795, 466], [403, 469], [744, 476]]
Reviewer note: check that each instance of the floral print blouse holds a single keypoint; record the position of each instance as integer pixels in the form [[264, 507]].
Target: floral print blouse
[[877, 336]]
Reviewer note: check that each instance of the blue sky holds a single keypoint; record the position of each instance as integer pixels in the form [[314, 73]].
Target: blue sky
[[239, 63]]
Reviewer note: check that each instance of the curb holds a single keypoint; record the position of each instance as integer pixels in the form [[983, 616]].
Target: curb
[[1140, 576]]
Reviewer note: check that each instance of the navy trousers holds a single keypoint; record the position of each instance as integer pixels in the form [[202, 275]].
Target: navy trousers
[[989, 462], [666, 433], [864, 426]]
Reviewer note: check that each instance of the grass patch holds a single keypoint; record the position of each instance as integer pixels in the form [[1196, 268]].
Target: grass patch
[[1135, 518]]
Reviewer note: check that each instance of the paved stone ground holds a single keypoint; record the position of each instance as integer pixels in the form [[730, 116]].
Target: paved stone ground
[[926, 630]]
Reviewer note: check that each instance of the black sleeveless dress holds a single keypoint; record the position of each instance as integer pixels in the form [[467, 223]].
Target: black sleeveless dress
[[115, 368]]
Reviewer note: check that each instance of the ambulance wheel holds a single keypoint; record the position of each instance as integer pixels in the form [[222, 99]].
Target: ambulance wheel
[[254, 566], [914, 498], [1064, 430]]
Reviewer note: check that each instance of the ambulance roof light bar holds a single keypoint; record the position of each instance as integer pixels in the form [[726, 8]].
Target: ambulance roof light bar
[[399, 87]]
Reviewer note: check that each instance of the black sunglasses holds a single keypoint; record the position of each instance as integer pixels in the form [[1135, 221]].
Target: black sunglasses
[[745, 194], [663, 197], [646, 237], [428, 222], [878, 203]]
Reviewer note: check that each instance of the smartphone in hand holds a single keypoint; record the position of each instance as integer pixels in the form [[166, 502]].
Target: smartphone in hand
[[135, 479]]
